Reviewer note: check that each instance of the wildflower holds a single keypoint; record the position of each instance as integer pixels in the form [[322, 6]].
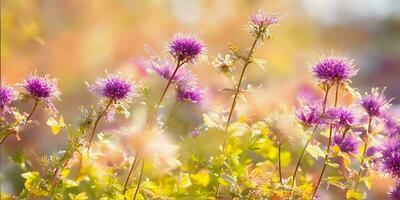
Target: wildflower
[[347, 144], [392, 126], [41, 87], [193, 95], [375, 104], [391, 157], [260, 23], [340, 117], [334, 70], [308, 115], [7, 96], [260, 19], [371, 151], [186, 48], [166, 69], [224, 63], [283, 126], [196, 132], [394, 193], [113, 87]]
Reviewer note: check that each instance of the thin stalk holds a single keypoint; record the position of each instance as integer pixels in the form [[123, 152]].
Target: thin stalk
[[363, 157], [27, 118], [237, 90], [102, 113], [171, 113], [309, 139], [153, 115], [139, 181], [279, 162], [130, 172], [328, 148]]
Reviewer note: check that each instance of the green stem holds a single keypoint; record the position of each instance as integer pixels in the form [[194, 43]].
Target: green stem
[[130, 172], [309, 139], [139, 181], [102, 113], [363, 156], [237, 90], [27, 118], [328, 147]]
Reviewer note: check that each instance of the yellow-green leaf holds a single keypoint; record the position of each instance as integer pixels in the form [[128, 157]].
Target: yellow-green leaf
[[350, 194], [315, 151]]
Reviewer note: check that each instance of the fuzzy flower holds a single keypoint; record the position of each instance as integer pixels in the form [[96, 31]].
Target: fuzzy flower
[[391, 157], [166, 69], [41, 87], [340, 117], [224, 63], [392, 126], [190, 94], [375, 104], [261, 18], [308, 115], [348, 144], [113, 87], [394, 193], [186, 47], [332, 70], [7, 96]]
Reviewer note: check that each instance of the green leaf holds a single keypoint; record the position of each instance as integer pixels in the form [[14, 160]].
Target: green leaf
[[80, 196], [68, 183], [185, 181], [350, 194], [315, 151], [201, 178], [55, 126]]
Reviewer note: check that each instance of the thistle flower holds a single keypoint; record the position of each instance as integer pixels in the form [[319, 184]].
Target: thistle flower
[[340, 117], [308, 115], [334, 70], [348, 144], [191, 94], [261, 18], [7, 96], [166, 69], [394, 193], [41, 87], [186, 47], [113, 87], [391, 157], [375, 104], [392, 126]]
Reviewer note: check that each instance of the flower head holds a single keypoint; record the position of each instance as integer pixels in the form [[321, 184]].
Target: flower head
[[394, 193], [340, 117], [308, 115], [113, 87], [191, 94], [224, 63], [166, 69], [375, 104], [186, 47], [392, 126], [41, 87], [348, 144], [261, 18], [7, 96], [334, 70], [391, 157]]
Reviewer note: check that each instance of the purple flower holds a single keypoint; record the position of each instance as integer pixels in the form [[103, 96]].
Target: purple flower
[[113, 87], [186, 47], [196, 132], [41, 87], [191, 94], [166, 69], [7, 96], [261, 18], [334, 70], [340, 117], [371, 151], [348, 144], [308, 115], [394, 193], [391, 157], [392, 127], [375, 104]]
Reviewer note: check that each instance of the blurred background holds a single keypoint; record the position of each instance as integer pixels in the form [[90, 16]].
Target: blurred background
[[76, 41]]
